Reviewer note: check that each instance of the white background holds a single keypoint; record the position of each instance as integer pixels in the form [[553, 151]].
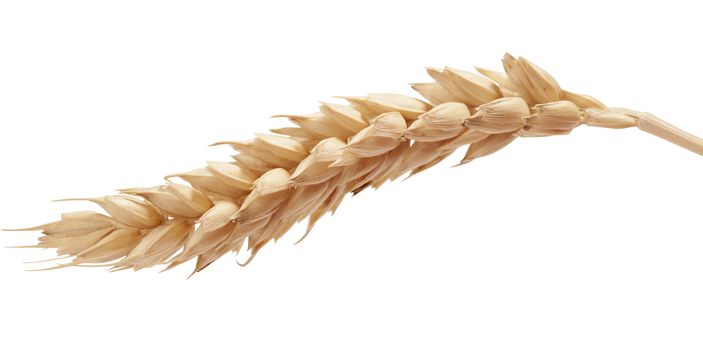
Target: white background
[[587, 241]]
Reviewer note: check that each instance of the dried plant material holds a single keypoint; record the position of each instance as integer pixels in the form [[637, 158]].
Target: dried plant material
[[533, 83], [306, 170], [265, 150], [583, 101], [467, 137], [375, 104], [206, 182], [507, 87], [254, 165], [440, 123], [130, 211], [158, 245], [269, 191], [476, 88], [201, 241], [74, 224], [434, 92], [469, 88], [614, 118], [315, 168], [419, 154], [346, 116], [74, 244], [232, 174], [302, 198], [113, 246], [655, 126], [381, 136], [292, 132], [285, 147], [213, 226], [499, 116], [554, 118], [319, 125], [488, 145], [175, 199]]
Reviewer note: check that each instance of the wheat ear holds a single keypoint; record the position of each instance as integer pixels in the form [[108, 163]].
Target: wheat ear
[[279, 179]]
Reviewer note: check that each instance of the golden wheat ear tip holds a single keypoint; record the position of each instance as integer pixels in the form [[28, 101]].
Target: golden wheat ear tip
[[305, 170]]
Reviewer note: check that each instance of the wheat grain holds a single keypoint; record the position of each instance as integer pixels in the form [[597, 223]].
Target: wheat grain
[[305, 171]]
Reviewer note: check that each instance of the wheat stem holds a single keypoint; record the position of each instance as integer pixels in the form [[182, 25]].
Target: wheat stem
[[657, 127], [624, 118]]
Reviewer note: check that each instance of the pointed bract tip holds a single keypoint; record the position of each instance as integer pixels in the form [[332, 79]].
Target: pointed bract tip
[[35, 228], [249, 259], [119, 268], [90, 199], [462, 162], [221, 143], [58, 266]]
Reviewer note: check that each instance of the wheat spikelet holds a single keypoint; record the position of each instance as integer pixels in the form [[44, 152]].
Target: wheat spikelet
[[277, 180]]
